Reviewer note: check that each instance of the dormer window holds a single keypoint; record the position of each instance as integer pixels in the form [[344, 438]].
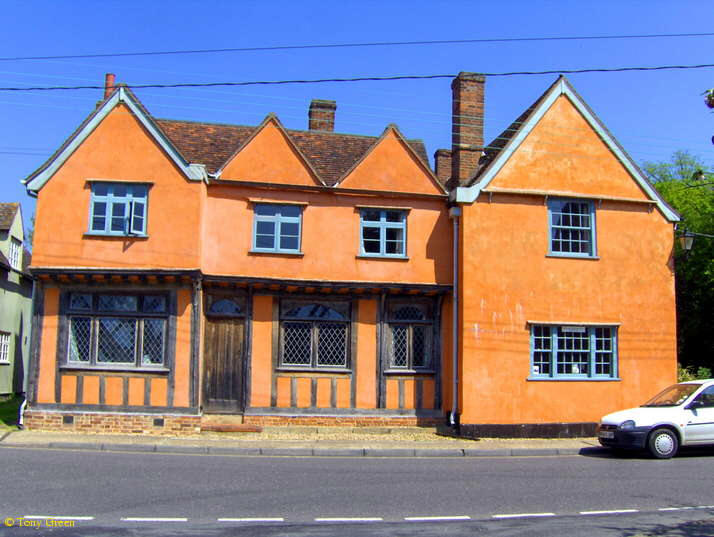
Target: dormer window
[[118, 209]]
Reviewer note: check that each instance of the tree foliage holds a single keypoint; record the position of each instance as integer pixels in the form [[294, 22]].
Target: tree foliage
[[685, 182]]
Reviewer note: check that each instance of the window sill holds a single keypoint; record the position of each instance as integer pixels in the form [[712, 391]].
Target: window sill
[[282, 254], [409, 372], [568, 256], [296, 369], [115, 369], [574, 379], [384, 257], [96, 235]]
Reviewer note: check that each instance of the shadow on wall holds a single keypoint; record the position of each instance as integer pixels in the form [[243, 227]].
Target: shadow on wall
[[18, 372]]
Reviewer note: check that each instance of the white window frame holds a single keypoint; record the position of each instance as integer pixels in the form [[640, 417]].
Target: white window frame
[[4, 347], [15, 257]]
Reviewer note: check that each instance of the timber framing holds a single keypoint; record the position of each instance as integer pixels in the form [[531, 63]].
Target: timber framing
[[139, 277]]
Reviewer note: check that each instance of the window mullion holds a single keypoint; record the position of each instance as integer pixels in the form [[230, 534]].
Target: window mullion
[[139, 344], [554, 352], [313, 343], [278, 229], [410, 346], [591, 354], [93, 340], [382, 233]]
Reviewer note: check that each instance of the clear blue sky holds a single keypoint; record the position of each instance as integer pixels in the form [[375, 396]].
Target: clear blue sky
[[651, 113]]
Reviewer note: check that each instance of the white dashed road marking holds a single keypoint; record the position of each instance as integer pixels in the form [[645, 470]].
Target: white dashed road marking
[[522, 515], [349, 519], [149, 519], [435, 518], [275, 519], [610, 512]]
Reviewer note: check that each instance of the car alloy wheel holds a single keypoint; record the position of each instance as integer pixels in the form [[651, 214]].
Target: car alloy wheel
[[662, 443]]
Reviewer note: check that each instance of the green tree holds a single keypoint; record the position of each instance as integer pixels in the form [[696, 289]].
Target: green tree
[[685, 183]]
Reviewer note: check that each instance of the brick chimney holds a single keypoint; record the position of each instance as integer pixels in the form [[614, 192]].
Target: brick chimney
[[442, 159], [108, 85], [321, 116], [467, 105]]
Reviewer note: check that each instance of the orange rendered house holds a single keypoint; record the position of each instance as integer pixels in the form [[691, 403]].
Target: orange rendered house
[[565, 292], [188, 269]]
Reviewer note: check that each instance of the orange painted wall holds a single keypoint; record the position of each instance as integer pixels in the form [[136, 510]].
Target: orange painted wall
[[389, 166], [562, 153], [48, 347], [269, 158], [366, 359], [69, 389], [261, 361], [631, 284], [119, 150], [508, 279], [113, 390], [182, 360], [330, 239]]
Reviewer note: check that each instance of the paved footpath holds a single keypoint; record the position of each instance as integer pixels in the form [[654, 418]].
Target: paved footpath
[[309, 441]]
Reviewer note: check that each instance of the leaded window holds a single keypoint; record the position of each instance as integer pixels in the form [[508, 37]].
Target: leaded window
[[572, 227], [409, 336], [573, 351], [118, 208], [276, 228], [383, 232], [314, 334], [117, 330]]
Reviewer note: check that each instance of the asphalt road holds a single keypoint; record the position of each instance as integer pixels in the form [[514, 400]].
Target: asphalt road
[[163, 494]]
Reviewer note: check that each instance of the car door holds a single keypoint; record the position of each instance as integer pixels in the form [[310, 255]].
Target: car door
[[699, 427]]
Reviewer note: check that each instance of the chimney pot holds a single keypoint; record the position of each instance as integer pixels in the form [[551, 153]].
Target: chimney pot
[[108, 84], [321, 116], [442, 159]]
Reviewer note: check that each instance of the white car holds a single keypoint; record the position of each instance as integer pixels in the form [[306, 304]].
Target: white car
[[681, 415]]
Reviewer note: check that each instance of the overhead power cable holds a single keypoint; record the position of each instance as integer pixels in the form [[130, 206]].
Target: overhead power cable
[[361, 79], [354, 45]]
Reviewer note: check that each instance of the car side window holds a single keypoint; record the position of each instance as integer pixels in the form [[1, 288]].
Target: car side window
[[706, 397]]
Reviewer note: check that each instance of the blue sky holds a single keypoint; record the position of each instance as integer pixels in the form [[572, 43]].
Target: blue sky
[[651, 113]]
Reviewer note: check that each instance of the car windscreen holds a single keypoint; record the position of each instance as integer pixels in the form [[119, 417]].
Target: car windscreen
[[673, 396]]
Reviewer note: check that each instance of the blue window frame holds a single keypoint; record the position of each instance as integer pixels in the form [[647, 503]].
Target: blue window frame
[[383, 233], [572, 227], [277, 228], [118, 209], [573, 352]]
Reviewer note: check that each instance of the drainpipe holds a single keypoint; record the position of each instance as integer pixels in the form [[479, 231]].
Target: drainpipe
[[454, 215]]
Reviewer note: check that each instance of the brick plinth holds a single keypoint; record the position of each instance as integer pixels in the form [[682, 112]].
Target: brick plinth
[[87, 422], [344, 421]]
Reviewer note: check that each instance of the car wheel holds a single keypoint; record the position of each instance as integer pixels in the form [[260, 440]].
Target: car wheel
[[662, 443]]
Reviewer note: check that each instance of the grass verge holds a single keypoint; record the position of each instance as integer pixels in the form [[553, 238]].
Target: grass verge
[[8, 413]]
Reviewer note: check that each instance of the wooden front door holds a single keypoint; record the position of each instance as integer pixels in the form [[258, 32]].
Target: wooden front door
[[223, 365]]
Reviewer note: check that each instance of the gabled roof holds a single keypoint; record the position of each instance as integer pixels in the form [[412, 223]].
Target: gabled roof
[[199, 149], [7, 215], [273, 119], [121, 95], [392, 128], [508, 142], [330, 154]]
